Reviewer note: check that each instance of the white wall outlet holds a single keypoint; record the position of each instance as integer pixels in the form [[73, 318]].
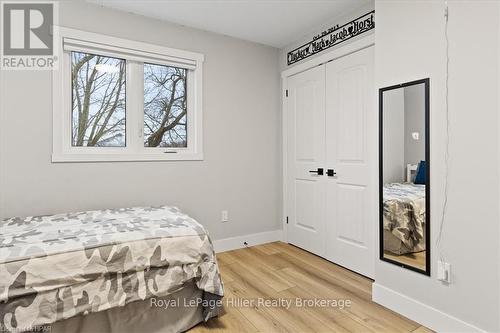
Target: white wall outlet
[[225, 216], [444, 271]]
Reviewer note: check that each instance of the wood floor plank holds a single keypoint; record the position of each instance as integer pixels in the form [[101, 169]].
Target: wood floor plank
[[325, 265], [279, 271], [268, 248], [232, 321], [226, 258], [289, 320], [226, 274], [331, 277], [260, 317], [262, 272], [332, 318], [272, 279], [349, 280], [423, 329], [298, 320], [365, 312], [274, 246], [249, 281], [253, 257]]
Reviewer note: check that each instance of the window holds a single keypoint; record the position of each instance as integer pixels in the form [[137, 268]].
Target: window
[[165, 106], [121, 100], [98, 87]]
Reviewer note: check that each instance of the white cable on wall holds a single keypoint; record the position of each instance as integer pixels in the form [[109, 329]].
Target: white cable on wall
[[447, 140]]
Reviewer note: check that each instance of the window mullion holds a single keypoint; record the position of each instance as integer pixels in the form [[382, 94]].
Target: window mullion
[[140, 104], [134, 107]]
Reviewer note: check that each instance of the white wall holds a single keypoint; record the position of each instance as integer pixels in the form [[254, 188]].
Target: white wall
[[240, 172], [410, 45]]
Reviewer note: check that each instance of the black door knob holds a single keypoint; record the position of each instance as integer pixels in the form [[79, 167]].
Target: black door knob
[[319, 171], [331, 173]]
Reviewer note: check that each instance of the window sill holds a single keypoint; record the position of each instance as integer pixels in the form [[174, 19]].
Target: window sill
[[85, 158]]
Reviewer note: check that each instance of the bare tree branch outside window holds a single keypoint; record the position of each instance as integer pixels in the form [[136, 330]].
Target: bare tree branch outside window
[[98, 88], [165, 106]]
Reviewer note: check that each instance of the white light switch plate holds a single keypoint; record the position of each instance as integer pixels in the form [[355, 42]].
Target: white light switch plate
[[444, 272], [225, 216]]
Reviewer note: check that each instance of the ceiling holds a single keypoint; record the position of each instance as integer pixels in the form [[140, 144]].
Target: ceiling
[[273, 22]]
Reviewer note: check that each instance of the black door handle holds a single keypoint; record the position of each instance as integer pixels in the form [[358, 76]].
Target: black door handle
[[319, 171], [331, 173]]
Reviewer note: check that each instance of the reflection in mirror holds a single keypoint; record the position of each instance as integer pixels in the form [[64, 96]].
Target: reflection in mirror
[[404, 174]]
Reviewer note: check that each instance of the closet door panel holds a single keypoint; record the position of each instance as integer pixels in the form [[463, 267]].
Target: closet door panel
[[349, 193], [305, 114], [350, 112], [353, 229]]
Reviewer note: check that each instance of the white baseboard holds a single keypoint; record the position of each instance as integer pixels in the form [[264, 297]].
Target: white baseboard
[[238, 242], [421, 313]]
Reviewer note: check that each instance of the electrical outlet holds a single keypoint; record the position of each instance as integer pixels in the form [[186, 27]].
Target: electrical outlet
[[444, 271], [225, 216]]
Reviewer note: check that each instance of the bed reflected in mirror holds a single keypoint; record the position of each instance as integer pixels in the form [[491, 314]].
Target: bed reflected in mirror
[[404, 175]]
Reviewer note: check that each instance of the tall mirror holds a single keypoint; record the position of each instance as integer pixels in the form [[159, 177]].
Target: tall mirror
[[404, 175]]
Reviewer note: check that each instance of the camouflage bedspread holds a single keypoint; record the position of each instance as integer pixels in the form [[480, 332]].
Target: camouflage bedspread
[[404, 213], [56, 267]]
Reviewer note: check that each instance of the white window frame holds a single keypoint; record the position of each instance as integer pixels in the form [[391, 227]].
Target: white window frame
[[135, 53]]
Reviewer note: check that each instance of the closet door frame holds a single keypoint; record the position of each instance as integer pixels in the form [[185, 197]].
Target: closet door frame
[[344, 50]]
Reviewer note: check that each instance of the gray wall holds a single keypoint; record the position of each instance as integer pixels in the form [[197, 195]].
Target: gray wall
[[394, 136], [404, 113], [414, 122], [241, 106]]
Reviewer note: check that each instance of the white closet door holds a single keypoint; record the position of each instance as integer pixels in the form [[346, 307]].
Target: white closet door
[[350, 150], [305, 154]]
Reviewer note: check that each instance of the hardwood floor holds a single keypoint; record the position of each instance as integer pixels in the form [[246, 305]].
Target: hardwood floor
[[278, 272]]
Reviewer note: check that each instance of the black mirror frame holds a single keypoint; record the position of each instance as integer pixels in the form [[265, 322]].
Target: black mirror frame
[[427, 270]]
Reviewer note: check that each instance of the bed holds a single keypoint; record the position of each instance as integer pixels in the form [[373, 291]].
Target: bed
[[107, 271], [404, 216]]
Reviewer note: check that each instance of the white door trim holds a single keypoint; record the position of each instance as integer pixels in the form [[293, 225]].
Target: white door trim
[[336, 53]]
